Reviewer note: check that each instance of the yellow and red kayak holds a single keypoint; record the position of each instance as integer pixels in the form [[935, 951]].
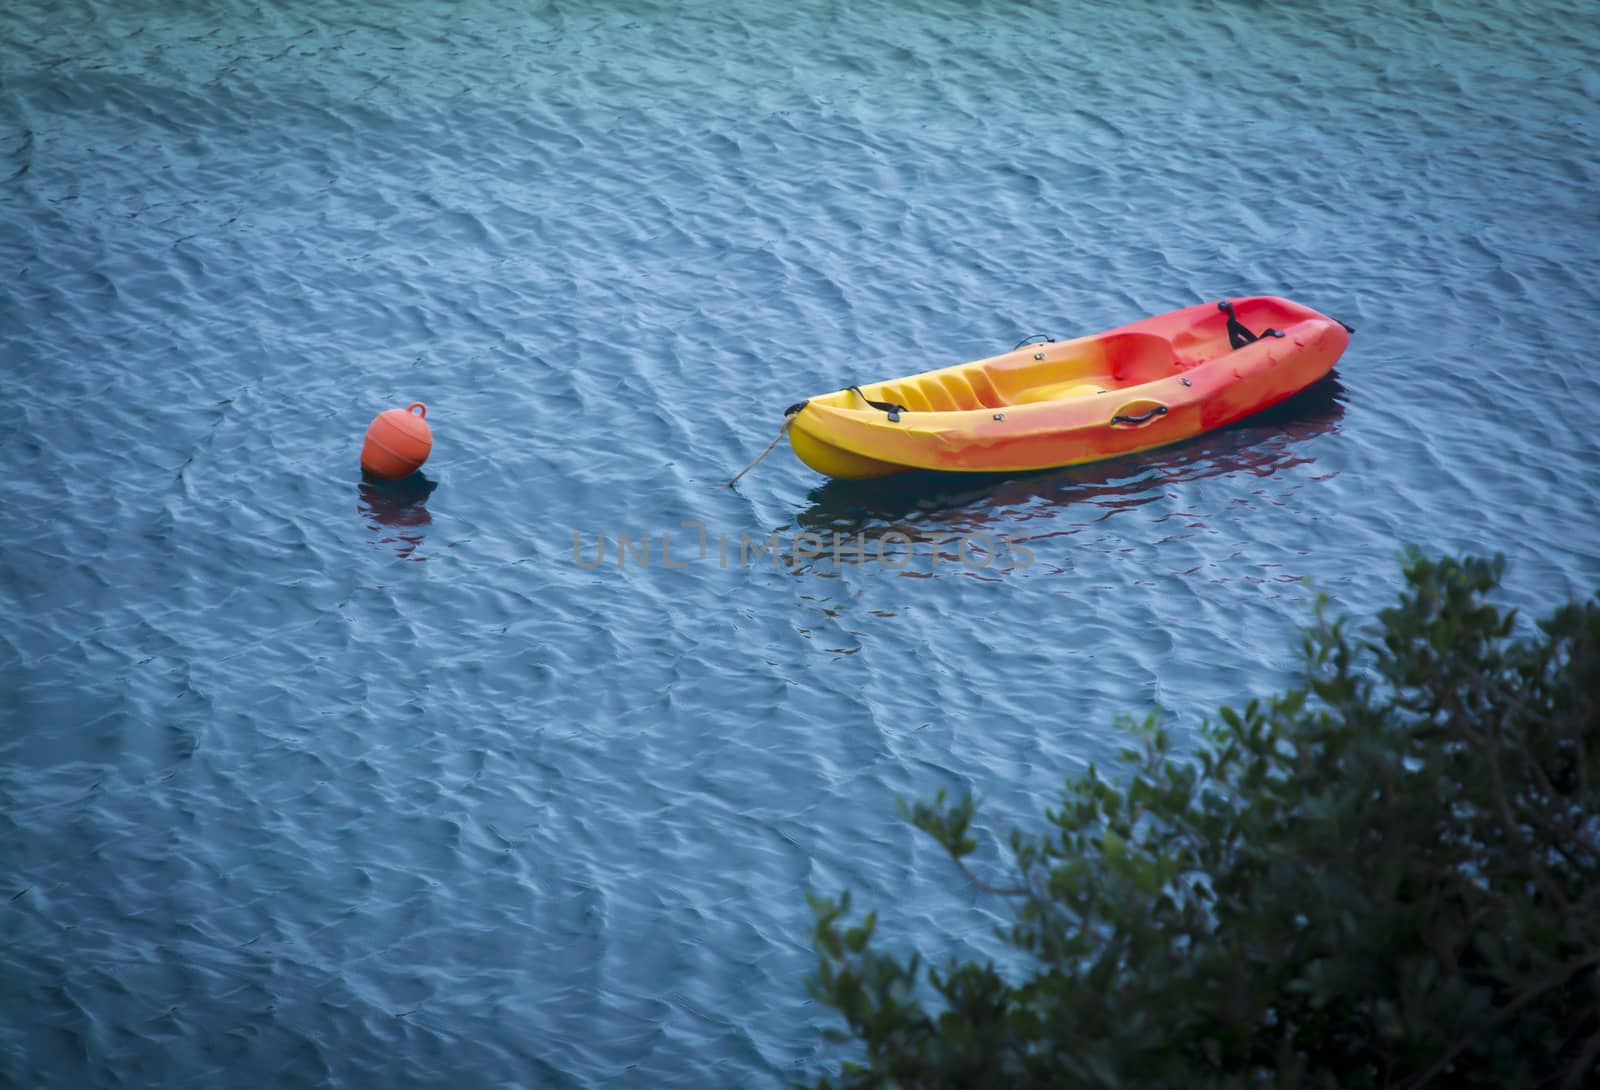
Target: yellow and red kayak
[[1143, 385]]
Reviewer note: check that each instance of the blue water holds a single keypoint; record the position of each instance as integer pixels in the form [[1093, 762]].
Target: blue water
[[310, 783]]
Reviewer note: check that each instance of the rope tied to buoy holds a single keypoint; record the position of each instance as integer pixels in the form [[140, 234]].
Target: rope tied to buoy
[[788, 418]]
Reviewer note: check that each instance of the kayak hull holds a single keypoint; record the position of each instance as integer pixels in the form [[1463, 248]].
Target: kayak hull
[[1144, 385]]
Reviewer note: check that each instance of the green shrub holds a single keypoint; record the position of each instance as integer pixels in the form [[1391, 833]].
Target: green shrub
[[1389, 877]]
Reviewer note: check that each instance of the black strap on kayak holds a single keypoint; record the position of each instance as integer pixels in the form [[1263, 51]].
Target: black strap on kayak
[[892, 409], [1239, 334]]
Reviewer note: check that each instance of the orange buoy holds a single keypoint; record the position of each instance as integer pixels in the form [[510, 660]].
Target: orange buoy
[[398, 442]]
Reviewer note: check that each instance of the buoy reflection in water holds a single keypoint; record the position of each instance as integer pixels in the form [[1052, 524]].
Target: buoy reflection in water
[[397, 512]]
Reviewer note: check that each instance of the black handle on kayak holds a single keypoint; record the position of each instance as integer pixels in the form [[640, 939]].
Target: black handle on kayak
[[1159, 410]]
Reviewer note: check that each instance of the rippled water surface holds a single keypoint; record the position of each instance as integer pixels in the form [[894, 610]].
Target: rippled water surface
[[310, 782]]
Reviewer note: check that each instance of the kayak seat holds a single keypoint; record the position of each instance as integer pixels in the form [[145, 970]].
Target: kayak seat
[[1132, 359]]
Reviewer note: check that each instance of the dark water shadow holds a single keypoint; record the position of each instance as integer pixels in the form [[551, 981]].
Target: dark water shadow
[[397, 512], [1266, 443]]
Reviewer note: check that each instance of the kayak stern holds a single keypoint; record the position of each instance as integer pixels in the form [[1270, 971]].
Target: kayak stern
[[835, 461]]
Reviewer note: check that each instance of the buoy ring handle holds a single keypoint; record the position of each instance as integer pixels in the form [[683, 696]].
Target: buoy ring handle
[[418, 405]]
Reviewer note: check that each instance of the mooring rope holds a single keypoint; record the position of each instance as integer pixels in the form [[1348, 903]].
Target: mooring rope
[[788, 418]]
